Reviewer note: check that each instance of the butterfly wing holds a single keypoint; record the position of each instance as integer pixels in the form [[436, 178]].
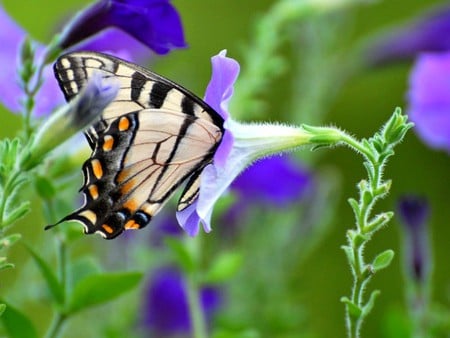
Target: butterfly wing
[[139, 89], [150, 139]]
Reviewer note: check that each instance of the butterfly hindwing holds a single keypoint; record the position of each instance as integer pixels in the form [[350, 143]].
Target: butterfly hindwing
[[150, 139]]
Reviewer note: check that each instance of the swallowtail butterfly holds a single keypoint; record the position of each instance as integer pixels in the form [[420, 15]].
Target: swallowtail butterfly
[[152, 138]]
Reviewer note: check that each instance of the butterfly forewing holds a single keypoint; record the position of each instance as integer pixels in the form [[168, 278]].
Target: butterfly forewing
[[150, 139]]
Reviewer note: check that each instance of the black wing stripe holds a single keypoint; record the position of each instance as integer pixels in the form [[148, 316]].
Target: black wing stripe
[[158, 94], [138, 82], [187, 106], [130, 175]]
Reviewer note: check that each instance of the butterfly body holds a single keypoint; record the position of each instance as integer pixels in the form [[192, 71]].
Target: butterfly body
[[152, 138]]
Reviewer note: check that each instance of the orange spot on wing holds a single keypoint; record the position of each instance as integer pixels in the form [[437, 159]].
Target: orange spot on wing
[[107, 228], [131, 205], [131, 224], [108, 143], [127, 187], [122, 176], [124, 123], [93, 191], [97, 168]]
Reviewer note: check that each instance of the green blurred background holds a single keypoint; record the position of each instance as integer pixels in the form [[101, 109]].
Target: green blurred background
[[360, 105]]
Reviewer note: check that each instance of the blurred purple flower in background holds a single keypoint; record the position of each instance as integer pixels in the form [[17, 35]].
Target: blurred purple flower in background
[[413, 212], [429, 99], [429, 33], [164, 226], [165, 310], [276, 180], [12, 36], [155, 24], [427, 41]]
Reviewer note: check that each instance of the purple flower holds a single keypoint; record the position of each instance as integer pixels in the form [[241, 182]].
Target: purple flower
[[427, 34], [165, 307], [166, 226], [429, 99], [155, 23], [257, 183], [413, 213], [241, 145], [12, 36], [116, 42]]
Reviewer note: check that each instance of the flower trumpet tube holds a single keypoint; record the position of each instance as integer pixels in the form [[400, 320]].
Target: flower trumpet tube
[[242, 144]]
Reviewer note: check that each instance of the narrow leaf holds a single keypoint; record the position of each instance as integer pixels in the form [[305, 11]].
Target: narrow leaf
[[383, 260], [98, 289], [18, 212], [223, 267], [371, 302], [55, 288], [6, 266], [2, 308], [17, 324], [9, 241], [182, 255], [353, 309]]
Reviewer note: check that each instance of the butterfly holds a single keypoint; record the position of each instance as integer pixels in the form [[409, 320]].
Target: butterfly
[[152, 138]]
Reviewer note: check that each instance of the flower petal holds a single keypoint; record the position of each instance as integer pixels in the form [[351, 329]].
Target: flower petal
[[189, 219], [427, 34], [258, 182], [11, 36], [429, 102], [220, 88], [154, 23]]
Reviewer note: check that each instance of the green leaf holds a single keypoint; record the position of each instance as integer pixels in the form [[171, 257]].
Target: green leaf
[[353, 309], [2, 308], [249, 333], [44, 187], [224, 267], [349, 253], [355, 207], [82, 268], [371, 302], [8, 241], [98, 289], [55, 288], [16, 324], [383, 260], [18, 212], [4, 266], [182, 255], [379, 221]]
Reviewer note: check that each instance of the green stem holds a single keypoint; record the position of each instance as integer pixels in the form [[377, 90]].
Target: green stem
[[56, 326], [6, 194], [62, 264], [199, 329], [195, 309]]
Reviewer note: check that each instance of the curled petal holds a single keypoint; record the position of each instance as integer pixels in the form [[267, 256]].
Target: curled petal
[[189, 220], [155, 23], [220, 88]]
